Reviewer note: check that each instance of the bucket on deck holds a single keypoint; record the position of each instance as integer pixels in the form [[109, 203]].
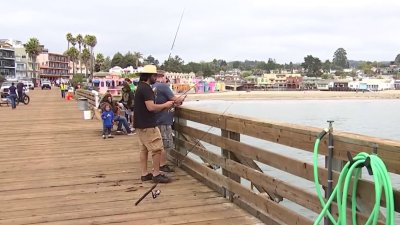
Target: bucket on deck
[[83, 104], [87, 115]]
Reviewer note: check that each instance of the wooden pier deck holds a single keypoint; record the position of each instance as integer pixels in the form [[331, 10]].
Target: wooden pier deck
[[55, 169]]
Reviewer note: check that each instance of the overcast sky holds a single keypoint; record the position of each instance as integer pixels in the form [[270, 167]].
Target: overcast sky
[[286, 30]]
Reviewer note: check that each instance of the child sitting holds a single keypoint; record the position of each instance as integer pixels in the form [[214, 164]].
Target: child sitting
[[108, 117]]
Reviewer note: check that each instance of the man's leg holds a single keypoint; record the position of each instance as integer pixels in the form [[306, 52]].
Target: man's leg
[[143, 152], [168, 143]]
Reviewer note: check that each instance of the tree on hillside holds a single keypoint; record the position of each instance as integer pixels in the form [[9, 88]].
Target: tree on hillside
[[117, 60], [397, 59], [312, 66], [340, 59], [128, 60], [32, 48], [151, 60], [326, 66], [106, 66], [173, 64]]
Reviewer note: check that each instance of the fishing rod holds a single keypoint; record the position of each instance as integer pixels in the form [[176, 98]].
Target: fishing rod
[[155, 194], [204, 135], [176, 34]]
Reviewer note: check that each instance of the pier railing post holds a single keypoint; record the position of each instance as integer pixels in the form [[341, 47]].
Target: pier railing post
[[183, 151], [229, 155]]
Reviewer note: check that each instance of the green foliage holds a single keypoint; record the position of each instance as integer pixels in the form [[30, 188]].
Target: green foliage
[[77, 78], [117, 60], [151, 60], [173, 64], [98, 62], [33, 48], [366, 67], [340, 59], [106, 66], [246, 73], [397, 59], [85, 58], [312, 65], [326, 66]]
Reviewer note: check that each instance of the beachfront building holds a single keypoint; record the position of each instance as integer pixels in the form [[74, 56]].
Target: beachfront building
[[294, 83], [278, 80], [372, 84], [53, 66], [181, 78], [7, 59], [78, 67]]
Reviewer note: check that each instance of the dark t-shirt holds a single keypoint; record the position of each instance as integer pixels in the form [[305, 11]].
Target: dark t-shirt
[[163, 94], [12, 90], [20, 87], [143, 117]]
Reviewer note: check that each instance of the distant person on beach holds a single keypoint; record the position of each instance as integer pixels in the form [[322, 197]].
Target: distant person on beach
[[116, 110], [12, 95], [108, 117], [150, 139], [165, 118]]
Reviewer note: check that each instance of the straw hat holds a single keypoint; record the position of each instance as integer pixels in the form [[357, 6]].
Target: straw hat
[[149, 69]]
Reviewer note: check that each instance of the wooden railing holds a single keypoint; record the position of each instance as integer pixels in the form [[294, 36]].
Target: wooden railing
[[240, 160]]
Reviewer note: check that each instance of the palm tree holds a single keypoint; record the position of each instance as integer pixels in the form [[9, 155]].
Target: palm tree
[[73, 55], [85, 57], [73, 41], [79, 40], [137, 56], [99, 61], [69, 38], [33, 48], [91, 41]]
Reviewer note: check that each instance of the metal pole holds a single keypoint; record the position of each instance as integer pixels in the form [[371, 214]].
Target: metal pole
[[328, 161]]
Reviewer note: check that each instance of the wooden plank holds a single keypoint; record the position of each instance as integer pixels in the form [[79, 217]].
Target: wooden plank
[[291, 192], [260, 202], [301, 137], [228, 155], [58, 170], [293, 166]]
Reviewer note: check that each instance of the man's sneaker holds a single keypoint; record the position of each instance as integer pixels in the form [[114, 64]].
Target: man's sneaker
[[104, 136], [160, 178], [109, 136], [119, 131], [148, 177], [166, 169]]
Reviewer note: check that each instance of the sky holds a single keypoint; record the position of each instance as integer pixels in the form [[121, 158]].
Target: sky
[[285, 30]]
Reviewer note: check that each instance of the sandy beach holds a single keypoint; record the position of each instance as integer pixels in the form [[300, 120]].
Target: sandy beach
[[265, 95]]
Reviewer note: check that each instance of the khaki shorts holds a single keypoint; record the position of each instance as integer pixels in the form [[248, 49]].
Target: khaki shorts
[[167, 138], [150, 140]]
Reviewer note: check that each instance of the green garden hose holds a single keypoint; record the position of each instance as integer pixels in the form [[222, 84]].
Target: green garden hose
[[381, 180]]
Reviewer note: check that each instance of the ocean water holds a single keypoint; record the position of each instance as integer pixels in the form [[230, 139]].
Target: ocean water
[[377, 118]]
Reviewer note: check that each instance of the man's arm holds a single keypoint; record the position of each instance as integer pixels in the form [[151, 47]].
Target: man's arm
[[152, 107]]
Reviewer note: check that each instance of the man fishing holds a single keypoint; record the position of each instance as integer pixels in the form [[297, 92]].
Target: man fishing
[[165, 118], [146, 125]]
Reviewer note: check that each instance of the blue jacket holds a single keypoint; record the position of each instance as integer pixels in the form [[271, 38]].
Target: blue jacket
[[108, 117]]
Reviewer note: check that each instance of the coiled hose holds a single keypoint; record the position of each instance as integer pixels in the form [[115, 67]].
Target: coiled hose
[[381, 180]]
